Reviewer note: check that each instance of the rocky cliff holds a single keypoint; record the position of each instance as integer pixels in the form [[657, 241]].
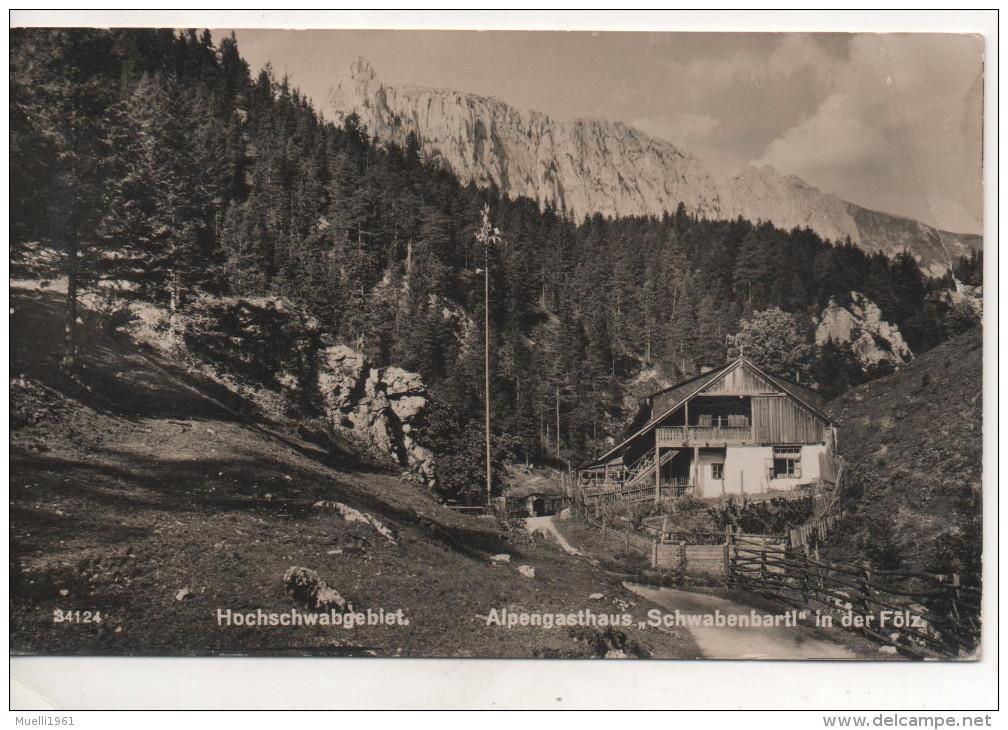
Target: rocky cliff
[[588, 166], [583, 166], [858, 321], [376, 407]]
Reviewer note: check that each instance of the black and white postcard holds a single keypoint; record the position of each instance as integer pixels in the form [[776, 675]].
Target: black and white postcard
[[510, 344]]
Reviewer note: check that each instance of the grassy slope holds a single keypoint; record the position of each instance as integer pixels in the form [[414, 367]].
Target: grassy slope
[[918, 435], [138, 479]]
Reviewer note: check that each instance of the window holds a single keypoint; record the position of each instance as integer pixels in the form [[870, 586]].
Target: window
[[786, 462], [717, 471], [722, 420]]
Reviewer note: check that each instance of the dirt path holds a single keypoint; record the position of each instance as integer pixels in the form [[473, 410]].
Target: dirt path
[[725, 642], [545, 526]]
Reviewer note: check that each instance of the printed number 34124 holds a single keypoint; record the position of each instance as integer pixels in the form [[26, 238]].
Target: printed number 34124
[[76, 617]]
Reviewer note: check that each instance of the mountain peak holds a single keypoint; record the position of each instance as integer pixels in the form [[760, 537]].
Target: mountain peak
[[360, 68]]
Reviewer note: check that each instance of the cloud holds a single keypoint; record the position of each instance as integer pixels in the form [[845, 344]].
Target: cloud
[[896, 131]]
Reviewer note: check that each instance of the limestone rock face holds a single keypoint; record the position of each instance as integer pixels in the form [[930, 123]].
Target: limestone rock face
[[859, 322], [584, 166], [376, 407]]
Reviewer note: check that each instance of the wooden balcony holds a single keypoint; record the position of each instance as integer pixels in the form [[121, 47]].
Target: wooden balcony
[[704, 435]]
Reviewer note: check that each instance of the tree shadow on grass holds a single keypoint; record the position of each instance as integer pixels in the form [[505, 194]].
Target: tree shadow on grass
[[195, 486]]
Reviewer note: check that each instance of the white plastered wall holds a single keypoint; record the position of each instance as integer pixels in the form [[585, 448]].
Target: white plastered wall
[[746, 466]]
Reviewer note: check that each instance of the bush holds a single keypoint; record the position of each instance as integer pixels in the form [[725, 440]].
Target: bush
[[634, 512], [763, 518], [460, 446]]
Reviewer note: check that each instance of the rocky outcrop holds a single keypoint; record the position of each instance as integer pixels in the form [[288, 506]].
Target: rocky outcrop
[[377, 407], [859, 322], [584, 166]]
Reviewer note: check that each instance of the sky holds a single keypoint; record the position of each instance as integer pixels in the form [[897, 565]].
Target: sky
[[892, 122]]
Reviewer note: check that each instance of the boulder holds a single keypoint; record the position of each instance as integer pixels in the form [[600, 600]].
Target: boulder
[[407, 407], [527, 570], [352, 515], [308, 588]]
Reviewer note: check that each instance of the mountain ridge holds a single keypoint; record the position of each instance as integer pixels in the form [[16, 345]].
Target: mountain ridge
[[576, 165], [591, 165]]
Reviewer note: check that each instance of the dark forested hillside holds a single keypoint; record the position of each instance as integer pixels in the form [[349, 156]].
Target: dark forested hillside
[[160, 168], [915, 442]]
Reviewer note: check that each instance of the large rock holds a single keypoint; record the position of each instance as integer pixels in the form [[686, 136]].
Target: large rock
[[380, 408], [341, 374], [307, 587], [859, 322]]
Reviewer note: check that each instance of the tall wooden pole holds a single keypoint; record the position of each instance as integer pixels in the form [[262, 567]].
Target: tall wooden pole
[[487, 235], [486, 369], [558, 421]]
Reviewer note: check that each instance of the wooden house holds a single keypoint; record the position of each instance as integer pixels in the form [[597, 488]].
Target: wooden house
[[731, 430]]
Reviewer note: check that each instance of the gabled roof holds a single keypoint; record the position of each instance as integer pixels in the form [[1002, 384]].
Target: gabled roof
[[685, 390]]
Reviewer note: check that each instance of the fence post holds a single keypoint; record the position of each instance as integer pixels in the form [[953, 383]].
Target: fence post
[[866, 590], [805, 581], [727, 561], [654, 554], [956, 615], [763, 570]]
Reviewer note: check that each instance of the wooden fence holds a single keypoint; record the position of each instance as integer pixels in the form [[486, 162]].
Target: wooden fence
[[811, 533], [695, 559], [922, 615], [622, 534], [700, 552]]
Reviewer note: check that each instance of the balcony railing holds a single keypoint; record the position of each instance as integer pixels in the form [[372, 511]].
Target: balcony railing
[[669, 489], [681, 435]]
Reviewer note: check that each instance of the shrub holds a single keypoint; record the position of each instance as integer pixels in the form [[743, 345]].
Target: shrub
[[770, 517]]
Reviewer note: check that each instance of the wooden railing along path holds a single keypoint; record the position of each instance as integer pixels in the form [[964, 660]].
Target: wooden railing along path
[[921, 614]]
